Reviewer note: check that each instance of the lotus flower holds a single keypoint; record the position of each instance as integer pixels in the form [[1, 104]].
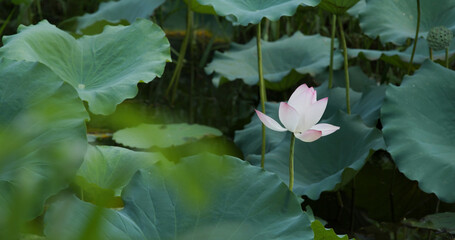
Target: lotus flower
[[300, 115]]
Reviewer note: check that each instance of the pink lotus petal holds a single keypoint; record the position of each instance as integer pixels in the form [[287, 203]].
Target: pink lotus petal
[[312, 115], [302, 98], [288, 116], [325, 128], [269, 122], [309, 136]]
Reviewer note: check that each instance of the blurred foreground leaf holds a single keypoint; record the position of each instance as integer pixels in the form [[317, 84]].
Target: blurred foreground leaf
[[202, 197], [106, 170], [42, 140], [163, 135]]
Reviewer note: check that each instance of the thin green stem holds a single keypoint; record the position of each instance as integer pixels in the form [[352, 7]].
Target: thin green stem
[[265, 35], [346, 64], [291, 163], [40, 12], [340, 204], [431, 54], [8, 19], [415, 38], [178, 69], [447, 57], [262, 92], [332, 45]]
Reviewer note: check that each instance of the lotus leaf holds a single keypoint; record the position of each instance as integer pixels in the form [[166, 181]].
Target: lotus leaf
[[322, 233], [304, 54], [252, 145], [163, 135], [106, 170], [197, 7], [42, 139], [442, 222], [244, 12], [202, 197], [395, 21], [421, 54], [115, 11], [104, 68], [337, 6], [417, 120], [324, 164]]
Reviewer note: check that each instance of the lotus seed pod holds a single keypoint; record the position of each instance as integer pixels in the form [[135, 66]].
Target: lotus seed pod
[[439, 38]]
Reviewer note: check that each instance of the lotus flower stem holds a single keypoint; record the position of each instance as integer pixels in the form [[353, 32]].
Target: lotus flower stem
[[332, 44], [8, 19], [40, 12], [346, 64], [447, 57], [178, 69], [415, 38], [291, 163], [262, 92], [431, 54]]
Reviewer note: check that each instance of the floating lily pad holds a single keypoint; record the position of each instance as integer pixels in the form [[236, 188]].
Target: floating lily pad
[[106, 170], [324, 164], [241, 12], [163, 135], [202, 197], [417, 120], [421, 54], [42, 140], [105, 68], [304, 54], [395, 21], [114, 12]]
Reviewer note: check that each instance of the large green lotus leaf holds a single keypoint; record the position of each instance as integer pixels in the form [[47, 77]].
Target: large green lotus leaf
[[197, 7], [421, 53], [105, 68], [418, 119], [395, 21], [322, 233], [244, 12], [367, 103], [202, 197], [337, 6], [163, 135], [249, 139], [324, 164], [442, 222], [42, 139], [106, 170], [359, 81], [114, 12], [304, 54], [357, 8]]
